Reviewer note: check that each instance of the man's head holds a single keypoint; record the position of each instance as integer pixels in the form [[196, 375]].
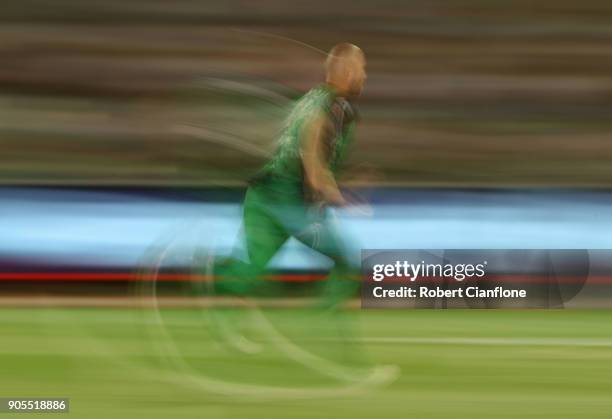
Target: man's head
[[345, 69]]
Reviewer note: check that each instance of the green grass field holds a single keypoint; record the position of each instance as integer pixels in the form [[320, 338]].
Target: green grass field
[[116, 363]]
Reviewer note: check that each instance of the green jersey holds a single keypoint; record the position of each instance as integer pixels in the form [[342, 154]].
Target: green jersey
[[285, 171]]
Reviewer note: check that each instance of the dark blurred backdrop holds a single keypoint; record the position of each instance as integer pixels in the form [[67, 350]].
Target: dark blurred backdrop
[[460, 93]]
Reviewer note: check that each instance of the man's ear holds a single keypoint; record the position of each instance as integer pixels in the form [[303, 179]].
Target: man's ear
[[349, 75]]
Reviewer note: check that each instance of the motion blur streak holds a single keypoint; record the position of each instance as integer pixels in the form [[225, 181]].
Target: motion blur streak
[[472, 92], [128, 130]]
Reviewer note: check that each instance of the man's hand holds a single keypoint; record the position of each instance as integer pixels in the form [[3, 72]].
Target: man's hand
[[356, 204]]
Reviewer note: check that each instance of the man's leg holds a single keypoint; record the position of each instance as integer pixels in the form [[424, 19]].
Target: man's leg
[[322, 235], [263, 238], [328, 321]]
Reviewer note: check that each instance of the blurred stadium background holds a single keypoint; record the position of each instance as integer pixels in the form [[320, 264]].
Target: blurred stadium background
[[485, 124], [473, 93]]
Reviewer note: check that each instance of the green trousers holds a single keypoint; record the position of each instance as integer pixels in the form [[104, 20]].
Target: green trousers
[[271, 215]]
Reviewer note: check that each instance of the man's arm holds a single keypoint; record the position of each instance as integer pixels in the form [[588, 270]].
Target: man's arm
[[316, 172]]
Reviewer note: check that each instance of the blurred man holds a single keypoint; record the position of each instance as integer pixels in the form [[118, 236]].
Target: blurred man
[[290, 195]]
